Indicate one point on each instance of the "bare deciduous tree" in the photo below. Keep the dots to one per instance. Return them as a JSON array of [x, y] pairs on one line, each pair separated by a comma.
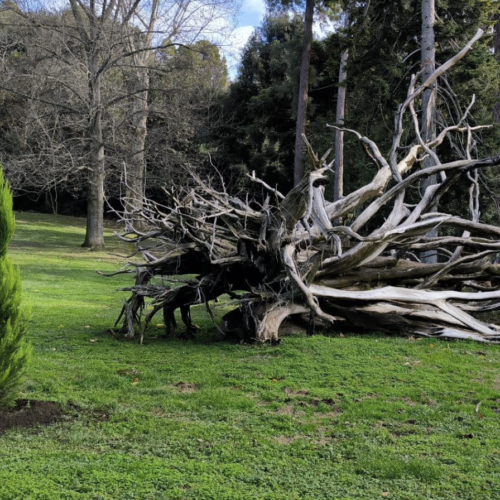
[[91, 61], [155, 25]]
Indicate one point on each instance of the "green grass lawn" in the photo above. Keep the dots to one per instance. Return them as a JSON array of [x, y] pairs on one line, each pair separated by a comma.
[[354, 417]]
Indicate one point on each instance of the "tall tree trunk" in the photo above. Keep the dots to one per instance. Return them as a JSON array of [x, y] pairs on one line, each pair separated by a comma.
[[496, 48], [94, 236], [143, 56], [429, 98], [339, 135], [90, 30], [136, 173], [298, 166]]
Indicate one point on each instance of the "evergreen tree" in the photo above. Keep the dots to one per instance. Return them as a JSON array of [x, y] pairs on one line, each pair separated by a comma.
[[263, 101], [323, 8], [14, 351], [385, 52], [383, 39]]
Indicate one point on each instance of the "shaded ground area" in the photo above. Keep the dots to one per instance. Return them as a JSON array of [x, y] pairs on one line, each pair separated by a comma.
[[30, 413]]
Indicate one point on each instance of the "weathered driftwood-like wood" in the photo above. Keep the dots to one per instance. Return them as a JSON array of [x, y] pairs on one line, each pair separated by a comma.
[[297, 254]]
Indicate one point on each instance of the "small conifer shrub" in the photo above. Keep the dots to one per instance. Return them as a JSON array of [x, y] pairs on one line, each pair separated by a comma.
[[14, 350]]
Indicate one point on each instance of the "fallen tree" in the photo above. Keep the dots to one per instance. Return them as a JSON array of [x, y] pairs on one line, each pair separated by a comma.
[[285, 256]]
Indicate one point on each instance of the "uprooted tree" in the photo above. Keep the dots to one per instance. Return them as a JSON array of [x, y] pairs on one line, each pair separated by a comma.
[[284, 256]]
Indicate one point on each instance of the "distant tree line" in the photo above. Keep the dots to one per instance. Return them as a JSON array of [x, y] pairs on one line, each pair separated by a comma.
[[82, 84], [92, 98], [384, 43]]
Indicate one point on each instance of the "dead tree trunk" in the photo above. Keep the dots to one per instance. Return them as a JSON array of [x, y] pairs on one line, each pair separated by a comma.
[[282, 256], [303, 95], [429, 97], [338, 190]]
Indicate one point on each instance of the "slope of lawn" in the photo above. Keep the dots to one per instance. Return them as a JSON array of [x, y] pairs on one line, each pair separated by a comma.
[[353, 417]]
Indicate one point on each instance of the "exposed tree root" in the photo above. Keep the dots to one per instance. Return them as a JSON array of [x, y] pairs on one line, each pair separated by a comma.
[[285, 255]]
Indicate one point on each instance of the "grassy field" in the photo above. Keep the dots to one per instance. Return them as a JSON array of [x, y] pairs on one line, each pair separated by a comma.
[[354, 417]]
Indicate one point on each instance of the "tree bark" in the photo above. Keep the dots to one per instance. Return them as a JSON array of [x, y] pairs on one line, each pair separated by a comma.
[[94, 236], [303, 95], [139, 90], [339, 134], [136, 165], [496, 48], [429, 98], [91, 35]]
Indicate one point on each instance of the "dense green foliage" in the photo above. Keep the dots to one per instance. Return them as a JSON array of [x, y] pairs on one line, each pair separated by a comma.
[[14, 351], [316, 418], [196, 117], [385, 52], [263, 102], [384, 43]]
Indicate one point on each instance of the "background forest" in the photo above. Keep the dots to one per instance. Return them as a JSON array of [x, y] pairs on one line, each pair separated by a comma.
[[144, 98]]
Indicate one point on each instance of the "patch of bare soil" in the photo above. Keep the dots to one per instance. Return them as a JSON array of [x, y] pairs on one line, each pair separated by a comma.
[[186, 387], [292, 392], [30, 413], [289, 410]]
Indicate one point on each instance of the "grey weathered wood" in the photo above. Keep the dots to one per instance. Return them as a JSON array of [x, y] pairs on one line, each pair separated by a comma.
[[285, 257]]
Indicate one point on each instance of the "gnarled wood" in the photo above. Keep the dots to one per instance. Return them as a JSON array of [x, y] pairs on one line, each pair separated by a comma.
[[278, 255]]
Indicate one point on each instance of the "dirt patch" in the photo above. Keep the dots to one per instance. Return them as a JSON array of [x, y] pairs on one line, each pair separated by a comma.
[[28, 413], [292, 392], [403, 430], [370, 395], [328, 402], [326, 416], [409, 402], [186, 387], [289, 410]]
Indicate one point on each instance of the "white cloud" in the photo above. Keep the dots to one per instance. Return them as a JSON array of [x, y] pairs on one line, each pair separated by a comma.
[[324, 28], [232, 51], [241, 36]]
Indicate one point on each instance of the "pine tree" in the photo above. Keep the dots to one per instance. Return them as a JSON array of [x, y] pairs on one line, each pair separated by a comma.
[[14, 350]]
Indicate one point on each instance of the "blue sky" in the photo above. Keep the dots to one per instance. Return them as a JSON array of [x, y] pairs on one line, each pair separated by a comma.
[[251, 14]]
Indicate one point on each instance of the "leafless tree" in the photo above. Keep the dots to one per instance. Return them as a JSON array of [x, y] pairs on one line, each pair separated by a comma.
[[157, 24], [104, 52]]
